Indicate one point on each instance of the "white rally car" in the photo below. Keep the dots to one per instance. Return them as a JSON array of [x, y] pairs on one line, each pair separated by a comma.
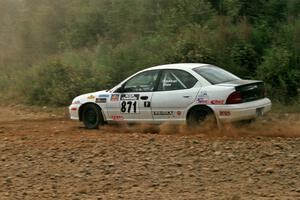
[[174, 93]]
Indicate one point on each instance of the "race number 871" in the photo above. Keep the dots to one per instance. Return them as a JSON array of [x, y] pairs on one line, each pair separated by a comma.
[[129, 106]]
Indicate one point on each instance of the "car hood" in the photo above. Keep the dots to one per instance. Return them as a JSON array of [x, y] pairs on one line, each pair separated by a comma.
[[91, 97]]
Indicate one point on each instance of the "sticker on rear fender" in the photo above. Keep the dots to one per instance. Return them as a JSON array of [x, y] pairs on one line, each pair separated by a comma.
[[216, 102]]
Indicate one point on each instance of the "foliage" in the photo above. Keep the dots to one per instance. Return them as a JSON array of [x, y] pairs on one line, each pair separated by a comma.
[[282, 78], [56, 83]]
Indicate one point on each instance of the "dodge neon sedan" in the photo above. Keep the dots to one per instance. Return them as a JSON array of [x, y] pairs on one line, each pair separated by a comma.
[[174, 93]]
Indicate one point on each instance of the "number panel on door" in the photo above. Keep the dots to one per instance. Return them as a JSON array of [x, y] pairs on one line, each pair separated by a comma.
[[129, 104]]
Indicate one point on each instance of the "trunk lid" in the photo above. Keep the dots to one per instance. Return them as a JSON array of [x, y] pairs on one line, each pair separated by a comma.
[[250, 90]]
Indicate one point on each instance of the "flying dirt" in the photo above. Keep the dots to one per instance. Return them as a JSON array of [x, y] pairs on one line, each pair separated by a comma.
[[44, 155]]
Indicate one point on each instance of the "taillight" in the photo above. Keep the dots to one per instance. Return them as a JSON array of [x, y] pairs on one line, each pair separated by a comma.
[[234, 98]]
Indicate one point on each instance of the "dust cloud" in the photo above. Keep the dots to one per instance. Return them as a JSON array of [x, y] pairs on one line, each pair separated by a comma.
[[275, 125]]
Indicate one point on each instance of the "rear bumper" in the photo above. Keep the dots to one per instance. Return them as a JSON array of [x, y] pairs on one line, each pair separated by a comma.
[[243, 111]]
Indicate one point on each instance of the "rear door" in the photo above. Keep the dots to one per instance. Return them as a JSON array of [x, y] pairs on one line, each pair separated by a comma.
[[175, 92]]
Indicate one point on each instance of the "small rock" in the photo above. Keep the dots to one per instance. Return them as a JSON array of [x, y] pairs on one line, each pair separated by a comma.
[[151, 140], [215, 169], [78, 175], [235, 197], [154, 184], [169, 176], [278, 145], [194, 141], [269, 170], [8, 179], [215, 145], [1, 131], [111, 165], [217, 153], [230, 155], [293, 156], [3, 158], [269, 154]]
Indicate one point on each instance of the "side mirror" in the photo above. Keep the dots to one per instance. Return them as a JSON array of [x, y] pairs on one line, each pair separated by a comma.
[[120, 89]]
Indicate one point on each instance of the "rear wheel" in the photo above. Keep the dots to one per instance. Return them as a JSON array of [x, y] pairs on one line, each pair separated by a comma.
[[201, 118], [92, 116]]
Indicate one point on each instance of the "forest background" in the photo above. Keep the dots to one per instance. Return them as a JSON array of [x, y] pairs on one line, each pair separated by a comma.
[[52, 51]]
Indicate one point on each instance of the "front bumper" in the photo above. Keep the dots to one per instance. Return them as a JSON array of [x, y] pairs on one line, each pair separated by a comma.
[[74, 111], [243, 111]]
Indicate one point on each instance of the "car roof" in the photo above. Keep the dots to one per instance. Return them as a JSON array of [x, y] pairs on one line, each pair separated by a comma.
[[178, 66]]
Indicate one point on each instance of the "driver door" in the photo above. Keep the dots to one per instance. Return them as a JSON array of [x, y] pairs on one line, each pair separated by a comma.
[[134, 98]]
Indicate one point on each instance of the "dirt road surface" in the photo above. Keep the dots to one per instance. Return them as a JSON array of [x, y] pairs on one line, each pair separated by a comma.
[[46, 156]]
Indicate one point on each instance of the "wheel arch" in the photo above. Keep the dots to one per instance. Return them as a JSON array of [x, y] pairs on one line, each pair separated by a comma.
[[200, 106], [88, 103], [204, 107]]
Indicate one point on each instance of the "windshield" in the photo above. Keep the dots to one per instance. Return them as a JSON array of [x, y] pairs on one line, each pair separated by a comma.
[[215, 75]]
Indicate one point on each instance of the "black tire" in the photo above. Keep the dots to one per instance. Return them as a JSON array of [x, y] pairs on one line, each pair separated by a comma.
[[201, 118], [92, 116]]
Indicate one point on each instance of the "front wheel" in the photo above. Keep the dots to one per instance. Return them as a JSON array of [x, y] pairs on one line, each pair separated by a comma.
[[92, 116]]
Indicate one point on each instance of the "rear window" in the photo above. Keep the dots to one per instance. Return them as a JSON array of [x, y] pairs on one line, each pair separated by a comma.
[[215, 75]]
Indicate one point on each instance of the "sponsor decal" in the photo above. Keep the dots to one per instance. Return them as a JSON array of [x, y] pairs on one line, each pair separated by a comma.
[[91, 97], [202, 100], [225, 113], [163, 113], [168, 83], [129, 97], [100, 100], [217, 101], [103, 95], [73, 108], [114, 97], [76, 102], [178, 113], [117, 117], [203, 94]]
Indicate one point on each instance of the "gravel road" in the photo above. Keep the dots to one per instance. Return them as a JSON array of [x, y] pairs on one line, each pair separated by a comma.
[[46, 156]]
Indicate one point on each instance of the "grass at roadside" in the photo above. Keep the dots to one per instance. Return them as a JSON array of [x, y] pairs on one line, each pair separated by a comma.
[[291, 108]]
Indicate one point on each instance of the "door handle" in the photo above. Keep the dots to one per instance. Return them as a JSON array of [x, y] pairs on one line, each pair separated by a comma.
[[144, 97], [186, 96]]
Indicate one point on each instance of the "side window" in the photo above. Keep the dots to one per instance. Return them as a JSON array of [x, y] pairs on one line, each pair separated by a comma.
[[176, 80], [143, 82]]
